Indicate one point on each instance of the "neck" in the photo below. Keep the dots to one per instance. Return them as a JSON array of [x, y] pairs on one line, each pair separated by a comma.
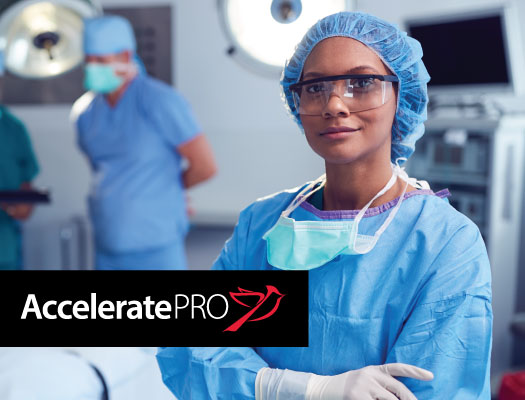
[[116, 95], [351, 186]]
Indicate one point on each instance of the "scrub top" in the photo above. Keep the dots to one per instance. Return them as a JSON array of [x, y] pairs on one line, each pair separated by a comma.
[[137, 199], [18, 165], [422, 296]]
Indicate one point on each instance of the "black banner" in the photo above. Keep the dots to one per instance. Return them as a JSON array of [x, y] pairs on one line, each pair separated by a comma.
[[154, 308]]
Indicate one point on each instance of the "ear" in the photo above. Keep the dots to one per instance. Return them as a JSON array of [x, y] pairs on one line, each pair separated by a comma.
[[126, 56]]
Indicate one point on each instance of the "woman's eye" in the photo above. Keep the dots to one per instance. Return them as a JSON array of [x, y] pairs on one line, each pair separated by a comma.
[[314, 88], [363, 83]]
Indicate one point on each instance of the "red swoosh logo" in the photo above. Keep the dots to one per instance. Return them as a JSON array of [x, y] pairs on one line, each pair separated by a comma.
[[262, 299]]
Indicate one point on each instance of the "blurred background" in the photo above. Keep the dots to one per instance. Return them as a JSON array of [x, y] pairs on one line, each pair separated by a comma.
[[225, 58]]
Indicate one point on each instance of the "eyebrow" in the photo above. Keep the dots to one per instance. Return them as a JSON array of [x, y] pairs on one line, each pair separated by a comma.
[[360, 68]]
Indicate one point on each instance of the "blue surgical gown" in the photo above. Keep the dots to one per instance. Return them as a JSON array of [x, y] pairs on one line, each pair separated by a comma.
[[137, 202], [422, 296]]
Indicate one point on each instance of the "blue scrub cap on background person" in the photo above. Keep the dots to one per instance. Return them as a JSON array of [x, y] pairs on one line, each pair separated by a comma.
[[108, 35], [401, 53]]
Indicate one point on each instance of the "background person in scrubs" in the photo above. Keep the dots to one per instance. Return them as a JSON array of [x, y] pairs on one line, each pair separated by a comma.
[[136, 131], [18, 167], [399, 281]]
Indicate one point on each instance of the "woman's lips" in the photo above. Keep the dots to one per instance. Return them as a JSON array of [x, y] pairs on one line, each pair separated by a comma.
[[337, 132]]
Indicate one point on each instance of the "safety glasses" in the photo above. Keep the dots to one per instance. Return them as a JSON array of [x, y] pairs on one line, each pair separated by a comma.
[[358, 92]]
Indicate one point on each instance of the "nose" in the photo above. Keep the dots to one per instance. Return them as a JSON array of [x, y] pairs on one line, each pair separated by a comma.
[[335, 107]]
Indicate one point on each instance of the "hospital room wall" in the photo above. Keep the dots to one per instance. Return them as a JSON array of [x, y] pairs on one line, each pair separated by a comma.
[[258, 148]]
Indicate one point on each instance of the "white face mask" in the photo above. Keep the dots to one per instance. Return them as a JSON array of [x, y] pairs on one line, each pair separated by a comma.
[[303, 245]]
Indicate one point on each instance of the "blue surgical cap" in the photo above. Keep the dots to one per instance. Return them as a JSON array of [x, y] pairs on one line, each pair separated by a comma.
[[108, 35], [402, 54]]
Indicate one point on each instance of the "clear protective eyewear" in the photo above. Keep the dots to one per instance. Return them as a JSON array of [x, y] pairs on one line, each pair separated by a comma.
[[358, 92]]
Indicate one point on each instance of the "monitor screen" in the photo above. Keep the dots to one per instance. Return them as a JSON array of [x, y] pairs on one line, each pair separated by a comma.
[[468, 51]]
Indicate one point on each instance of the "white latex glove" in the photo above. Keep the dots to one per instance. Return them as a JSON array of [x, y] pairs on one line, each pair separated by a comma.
[[375, 382]]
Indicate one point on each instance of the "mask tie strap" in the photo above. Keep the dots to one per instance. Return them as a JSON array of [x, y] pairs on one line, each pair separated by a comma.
[[389, 184], [397, 171], [304, 194], [419, 184]]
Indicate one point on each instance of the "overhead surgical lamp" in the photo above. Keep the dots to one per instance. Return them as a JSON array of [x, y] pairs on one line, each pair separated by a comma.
[[264, 33], [42, 39]]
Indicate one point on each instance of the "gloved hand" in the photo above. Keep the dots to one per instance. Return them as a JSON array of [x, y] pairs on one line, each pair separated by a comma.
[[375, 382]]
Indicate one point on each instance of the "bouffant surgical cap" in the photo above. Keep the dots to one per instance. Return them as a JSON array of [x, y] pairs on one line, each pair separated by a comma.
[[106, 35], [401, 53]]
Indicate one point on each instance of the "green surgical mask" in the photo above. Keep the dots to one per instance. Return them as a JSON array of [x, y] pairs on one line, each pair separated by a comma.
[[101, 78]]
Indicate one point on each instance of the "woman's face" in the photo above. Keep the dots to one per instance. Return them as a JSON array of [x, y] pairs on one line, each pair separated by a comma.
[[370, 130]]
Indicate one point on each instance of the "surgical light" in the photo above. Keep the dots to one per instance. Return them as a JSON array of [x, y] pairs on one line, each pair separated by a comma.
[[264, 33], [286, 11], [42, 39]]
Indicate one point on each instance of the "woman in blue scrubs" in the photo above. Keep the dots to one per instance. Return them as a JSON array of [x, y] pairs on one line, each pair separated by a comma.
[[399, 282]]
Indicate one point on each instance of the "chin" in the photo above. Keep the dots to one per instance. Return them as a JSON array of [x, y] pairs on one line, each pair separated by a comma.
[[338, 150], [334, 157]]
